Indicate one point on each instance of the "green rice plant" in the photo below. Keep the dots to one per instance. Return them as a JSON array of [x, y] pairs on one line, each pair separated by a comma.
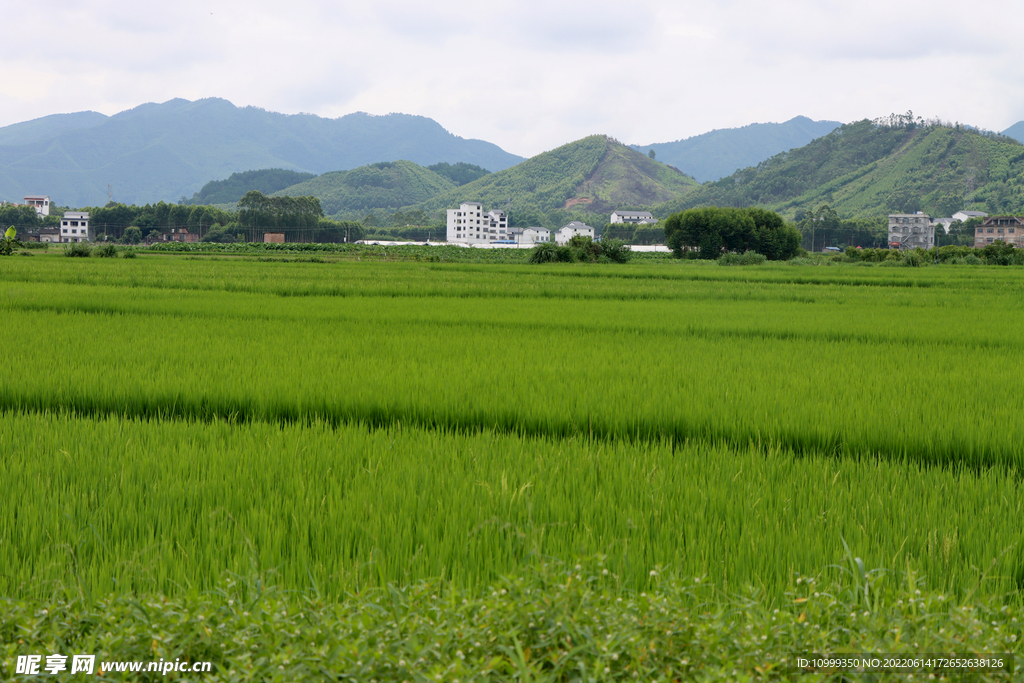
[[363, 422], [108, 504]]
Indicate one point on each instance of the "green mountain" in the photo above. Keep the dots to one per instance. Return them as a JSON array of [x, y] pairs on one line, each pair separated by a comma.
[[384, 185], [164, 151], [868, 168], [234, 187], [593, 176], [716, 154]]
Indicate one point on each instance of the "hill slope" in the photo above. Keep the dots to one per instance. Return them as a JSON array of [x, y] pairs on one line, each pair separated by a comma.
[[164, 151], [865, 169], [1016, 131], [384, 185], [718, 153], [234, 187], [595, 175]]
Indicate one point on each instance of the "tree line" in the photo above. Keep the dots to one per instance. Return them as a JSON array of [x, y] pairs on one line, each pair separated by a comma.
[[709, 231]]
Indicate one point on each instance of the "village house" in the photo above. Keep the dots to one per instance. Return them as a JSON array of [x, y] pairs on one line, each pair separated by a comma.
[[39, 202], [633, 217], [964, 216], [183, 235], [567, 232], [74, 226], [1009, 229], [529, 236], [911, 231]]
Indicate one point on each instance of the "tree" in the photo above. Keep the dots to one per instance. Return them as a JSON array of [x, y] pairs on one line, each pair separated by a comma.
[[709, 229], [823, 219], [651, 154], [714, 229], [132, 235]]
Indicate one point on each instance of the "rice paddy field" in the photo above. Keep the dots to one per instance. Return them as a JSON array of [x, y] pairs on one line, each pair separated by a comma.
[[348, 428]]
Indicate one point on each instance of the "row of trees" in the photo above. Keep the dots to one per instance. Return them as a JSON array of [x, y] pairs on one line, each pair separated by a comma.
[[709, 231], [25, 217]]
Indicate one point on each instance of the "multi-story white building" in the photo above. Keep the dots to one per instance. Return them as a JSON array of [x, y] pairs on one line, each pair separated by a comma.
[[910, 231], [470, 224], [74, 226], [39, 202], [567, 232]]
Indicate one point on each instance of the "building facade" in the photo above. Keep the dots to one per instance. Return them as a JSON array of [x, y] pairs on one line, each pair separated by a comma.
[[632, 217], [567, 232], [74, 226], [911, 231], [470, 224], [1009, 229], [39, 202], [528, 236]]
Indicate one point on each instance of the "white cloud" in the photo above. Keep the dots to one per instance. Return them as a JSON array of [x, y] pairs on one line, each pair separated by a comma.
[[527, 75]]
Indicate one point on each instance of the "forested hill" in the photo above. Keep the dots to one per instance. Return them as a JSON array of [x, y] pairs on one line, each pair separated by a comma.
[[165, 151], [716, 154], [384, 185], [234, 187], [874, 168], [592, 176]]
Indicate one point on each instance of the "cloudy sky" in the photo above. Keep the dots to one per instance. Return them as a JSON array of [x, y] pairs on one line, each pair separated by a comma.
[[528, 75]]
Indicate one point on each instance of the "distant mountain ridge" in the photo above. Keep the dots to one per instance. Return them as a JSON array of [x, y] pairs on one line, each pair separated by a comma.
[[864, 169], [163, 151], [1016, 131], [719, 153]]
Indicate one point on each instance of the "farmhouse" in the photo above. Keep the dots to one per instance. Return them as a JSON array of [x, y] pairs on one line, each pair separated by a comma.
[[183, 235], [963, 216], [911, 231], [40, 202], [74, 226], [632, 217], [470, 224], [567, 232], [529, 235], [1009, 229]]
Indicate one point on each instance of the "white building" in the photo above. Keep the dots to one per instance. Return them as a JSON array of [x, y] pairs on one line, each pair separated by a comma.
[[470, 224], [74, 226], [911, 230], [39, 202], [633, 217], [528, 236], [965, 216], [567, 232]]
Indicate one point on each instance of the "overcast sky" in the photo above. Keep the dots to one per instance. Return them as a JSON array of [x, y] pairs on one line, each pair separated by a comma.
[[528, 75]]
